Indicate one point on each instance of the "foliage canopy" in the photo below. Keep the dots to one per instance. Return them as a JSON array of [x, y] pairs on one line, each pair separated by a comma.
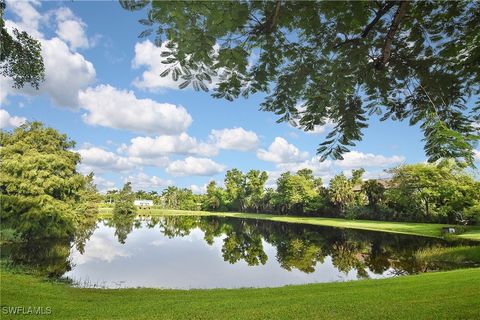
[[20, 56], [333, 62], [42, 194]]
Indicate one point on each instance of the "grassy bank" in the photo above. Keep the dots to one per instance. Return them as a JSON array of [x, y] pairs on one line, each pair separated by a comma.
[[456, 255], [420, 229], [442, 295]]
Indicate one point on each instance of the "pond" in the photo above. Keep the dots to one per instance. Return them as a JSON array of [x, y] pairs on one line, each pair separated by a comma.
[[210, 252]]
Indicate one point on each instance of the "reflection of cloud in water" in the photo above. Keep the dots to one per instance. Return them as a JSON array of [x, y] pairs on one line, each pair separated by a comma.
[[102, 246], [149, 258]]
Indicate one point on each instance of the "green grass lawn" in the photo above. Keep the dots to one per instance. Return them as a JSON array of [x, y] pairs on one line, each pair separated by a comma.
[[442, 295], [421, 229]]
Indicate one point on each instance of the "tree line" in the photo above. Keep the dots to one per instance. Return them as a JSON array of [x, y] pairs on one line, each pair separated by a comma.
[[444, 192]]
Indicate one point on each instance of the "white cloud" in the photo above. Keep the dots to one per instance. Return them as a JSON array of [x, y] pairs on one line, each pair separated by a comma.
[[121, 109], [103, 185], [198, 189], [318, 129], [146, 147], [142, 181], [99, 160], [356, 159], [476, 155], [375, 175], [5, 89], [30, 18], [183, 144], [235, 139], [148, 55], [160, 161], [280, 151], [8, 121], [194, 167], [71, 29], [318, 167], [100, 247], [66, 72]]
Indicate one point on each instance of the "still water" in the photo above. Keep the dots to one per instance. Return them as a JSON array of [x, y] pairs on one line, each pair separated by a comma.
[[212, 252]]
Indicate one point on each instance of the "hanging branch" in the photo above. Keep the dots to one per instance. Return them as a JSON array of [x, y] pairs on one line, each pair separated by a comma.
[[387, 47]]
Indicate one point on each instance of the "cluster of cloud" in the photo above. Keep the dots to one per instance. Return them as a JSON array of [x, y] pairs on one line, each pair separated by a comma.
[[143, 181], [237, 139], [192, 166], [9, 121], [287, 157], [196, 189], [69, 75], [66, 71], [182, 144], [99, 160], [103, 185], [280, 151], [148, 56], [71, 29], [156, 151], [121, 109]]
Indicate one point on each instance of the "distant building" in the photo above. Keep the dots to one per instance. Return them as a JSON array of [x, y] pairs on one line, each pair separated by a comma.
[[143, 203]]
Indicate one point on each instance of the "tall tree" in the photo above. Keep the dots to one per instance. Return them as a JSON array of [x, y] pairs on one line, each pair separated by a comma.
[[41, 190], [235, 189], [20, 56], [124, 205], [254, 188], [298, 193], [214, 199], [341, 192], [375, 192], [338, 62], [440, 192]]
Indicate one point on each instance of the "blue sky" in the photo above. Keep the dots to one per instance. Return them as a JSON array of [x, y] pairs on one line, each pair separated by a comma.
[[102, 88]]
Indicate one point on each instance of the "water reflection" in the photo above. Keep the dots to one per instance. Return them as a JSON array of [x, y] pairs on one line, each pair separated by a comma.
[[207, 252]]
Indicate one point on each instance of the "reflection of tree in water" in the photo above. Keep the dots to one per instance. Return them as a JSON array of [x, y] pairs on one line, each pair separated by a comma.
[[299, 254], [123, 224], [302, 246], [177, 226], [84, 232], [47, 258], [212, 228], [243, 242], [298, 246], [347, 256]]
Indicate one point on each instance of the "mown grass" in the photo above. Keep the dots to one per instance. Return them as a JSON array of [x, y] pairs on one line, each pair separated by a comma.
[[442, 295], [420, 229], [455, 255]]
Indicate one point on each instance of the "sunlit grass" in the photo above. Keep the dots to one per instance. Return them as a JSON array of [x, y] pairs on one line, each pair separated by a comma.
[[442, 295], [455, 255]]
